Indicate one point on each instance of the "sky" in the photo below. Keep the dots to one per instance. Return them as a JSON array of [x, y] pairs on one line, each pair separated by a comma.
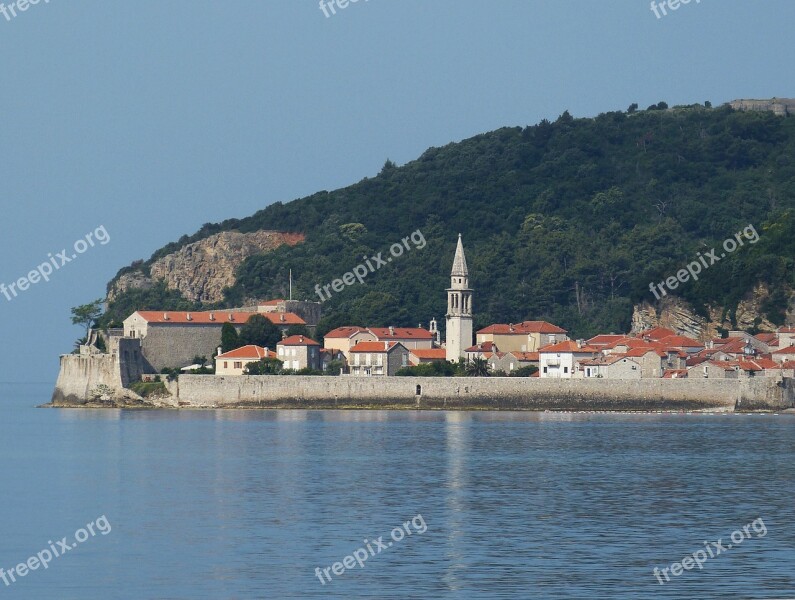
[[137, 122]]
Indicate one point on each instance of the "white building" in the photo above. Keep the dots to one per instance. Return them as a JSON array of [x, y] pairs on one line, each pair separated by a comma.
[[234, 362], [459, 307], [560, 360]]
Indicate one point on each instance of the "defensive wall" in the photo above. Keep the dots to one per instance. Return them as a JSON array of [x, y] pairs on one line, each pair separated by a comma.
[[503, 393]]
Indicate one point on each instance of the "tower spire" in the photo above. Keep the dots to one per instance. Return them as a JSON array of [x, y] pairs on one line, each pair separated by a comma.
[[459, 261]]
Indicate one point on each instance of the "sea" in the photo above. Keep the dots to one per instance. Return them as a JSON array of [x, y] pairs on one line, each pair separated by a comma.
[[145, 504]]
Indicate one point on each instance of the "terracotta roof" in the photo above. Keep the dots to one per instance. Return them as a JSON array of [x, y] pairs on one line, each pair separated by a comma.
[[757, 364], [297, 340], [603, 339], [675, 374], [680, 341], [786, 350], [785, 330], [733, 345], [631, 344], [643, 351], [656, 333], [568, 346], [214, 317], [373, 346], [247, 352], [430, 353], [344, 332], [406, 333], [482, 347], [766, 337], [526, 356], [787, 364], [522, 328]]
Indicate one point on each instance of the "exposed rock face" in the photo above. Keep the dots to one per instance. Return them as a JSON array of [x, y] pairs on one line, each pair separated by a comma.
[[678, 315], [200, 271], [779, 106]]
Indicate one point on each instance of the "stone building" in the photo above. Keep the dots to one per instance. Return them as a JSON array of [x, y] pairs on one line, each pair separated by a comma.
[[459, 307], [173, 338], [235, 361], [378, 358], [528, 336], [299, 352]]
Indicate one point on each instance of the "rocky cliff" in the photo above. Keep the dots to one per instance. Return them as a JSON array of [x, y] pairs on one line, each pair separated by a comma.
[[200, 271], [678, 315]]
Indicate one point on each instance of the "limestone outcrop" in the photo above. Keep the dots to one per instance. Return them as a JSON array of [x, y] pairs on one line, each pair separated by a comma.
[[200, 271]]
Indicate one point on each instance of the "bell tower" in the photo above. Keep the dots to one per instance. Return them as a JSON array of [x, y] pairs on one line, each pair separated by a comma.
[[459, 307]]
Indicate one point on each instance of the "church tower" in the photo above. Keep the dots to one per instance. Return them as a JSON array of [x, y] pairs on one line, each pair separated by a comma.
[[459, 307]]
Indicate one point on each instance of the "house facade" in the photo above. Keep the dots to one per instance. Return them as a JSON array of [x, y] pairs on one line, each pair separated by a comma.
[[234, 362], [559, 361], [376, 359], [528, 336], [299, 352]]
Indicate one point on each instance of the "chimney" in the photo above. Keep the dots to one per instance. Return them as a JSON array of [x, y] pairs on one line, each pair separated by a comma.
[[188, 317], [281, 317], [301, 339], [220, 351], [212, 316], [165, 316], [386, 345], [391, 330], [231, 317], [510, 327], [580, 343]]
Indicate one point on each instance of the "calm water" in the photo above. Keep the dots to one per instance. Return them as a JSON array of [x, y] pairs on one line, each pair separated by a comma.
[[244, 504]]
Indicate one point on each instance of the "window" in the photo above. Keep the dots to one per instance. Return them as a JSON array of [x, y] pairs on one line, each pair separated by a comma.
[[238, 365], [226, 365], [545, 369], [565, 369]]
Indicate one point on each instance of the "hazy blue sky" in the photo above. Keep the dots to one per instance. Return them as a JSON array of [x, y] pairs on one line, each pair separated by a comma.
[[151, 118]]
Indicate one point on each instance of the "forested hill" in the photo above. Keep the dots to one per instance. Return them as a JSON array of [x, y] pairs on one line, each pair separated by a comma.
[[567, 221]]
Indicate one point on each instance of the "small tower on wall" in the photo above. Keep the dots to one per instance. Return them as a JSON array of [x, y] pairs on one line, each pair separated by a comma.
[[459, 307]]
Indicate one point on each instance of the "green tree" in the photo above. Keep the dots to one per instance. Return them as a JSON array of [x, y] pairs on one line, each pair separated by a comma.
[[266, 366], [298, 330], [478, 367], [87, 314], [230, 340], [260, 331]]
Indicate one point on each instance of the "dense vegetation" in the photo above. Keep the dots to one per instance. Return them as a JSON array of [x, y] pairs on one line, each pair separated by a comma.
[[567, 221]]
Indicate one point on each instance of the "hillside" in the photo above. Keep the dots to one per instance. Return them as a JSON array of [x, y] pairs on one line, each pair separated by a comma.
[[567, 221]]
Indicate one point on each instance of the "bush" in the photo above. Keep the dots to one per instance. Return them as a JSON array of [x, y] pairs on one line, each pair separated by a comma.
[[147, 389]]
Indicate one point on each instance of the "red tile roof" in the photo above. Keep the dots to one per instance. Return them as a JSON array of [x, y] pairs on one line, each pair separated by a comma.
[[680, 341], [675, 374], [482, 347], [568, 346], [604, 339], [766, 337], [297, 340], [786, 350], [214, 317], [522, 328], [430, 353], [604, 360], [373, 346], [398, 333], [643, 351], [656, 333], [785, 330], [344, 332], [247, 352], [526, 356]]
